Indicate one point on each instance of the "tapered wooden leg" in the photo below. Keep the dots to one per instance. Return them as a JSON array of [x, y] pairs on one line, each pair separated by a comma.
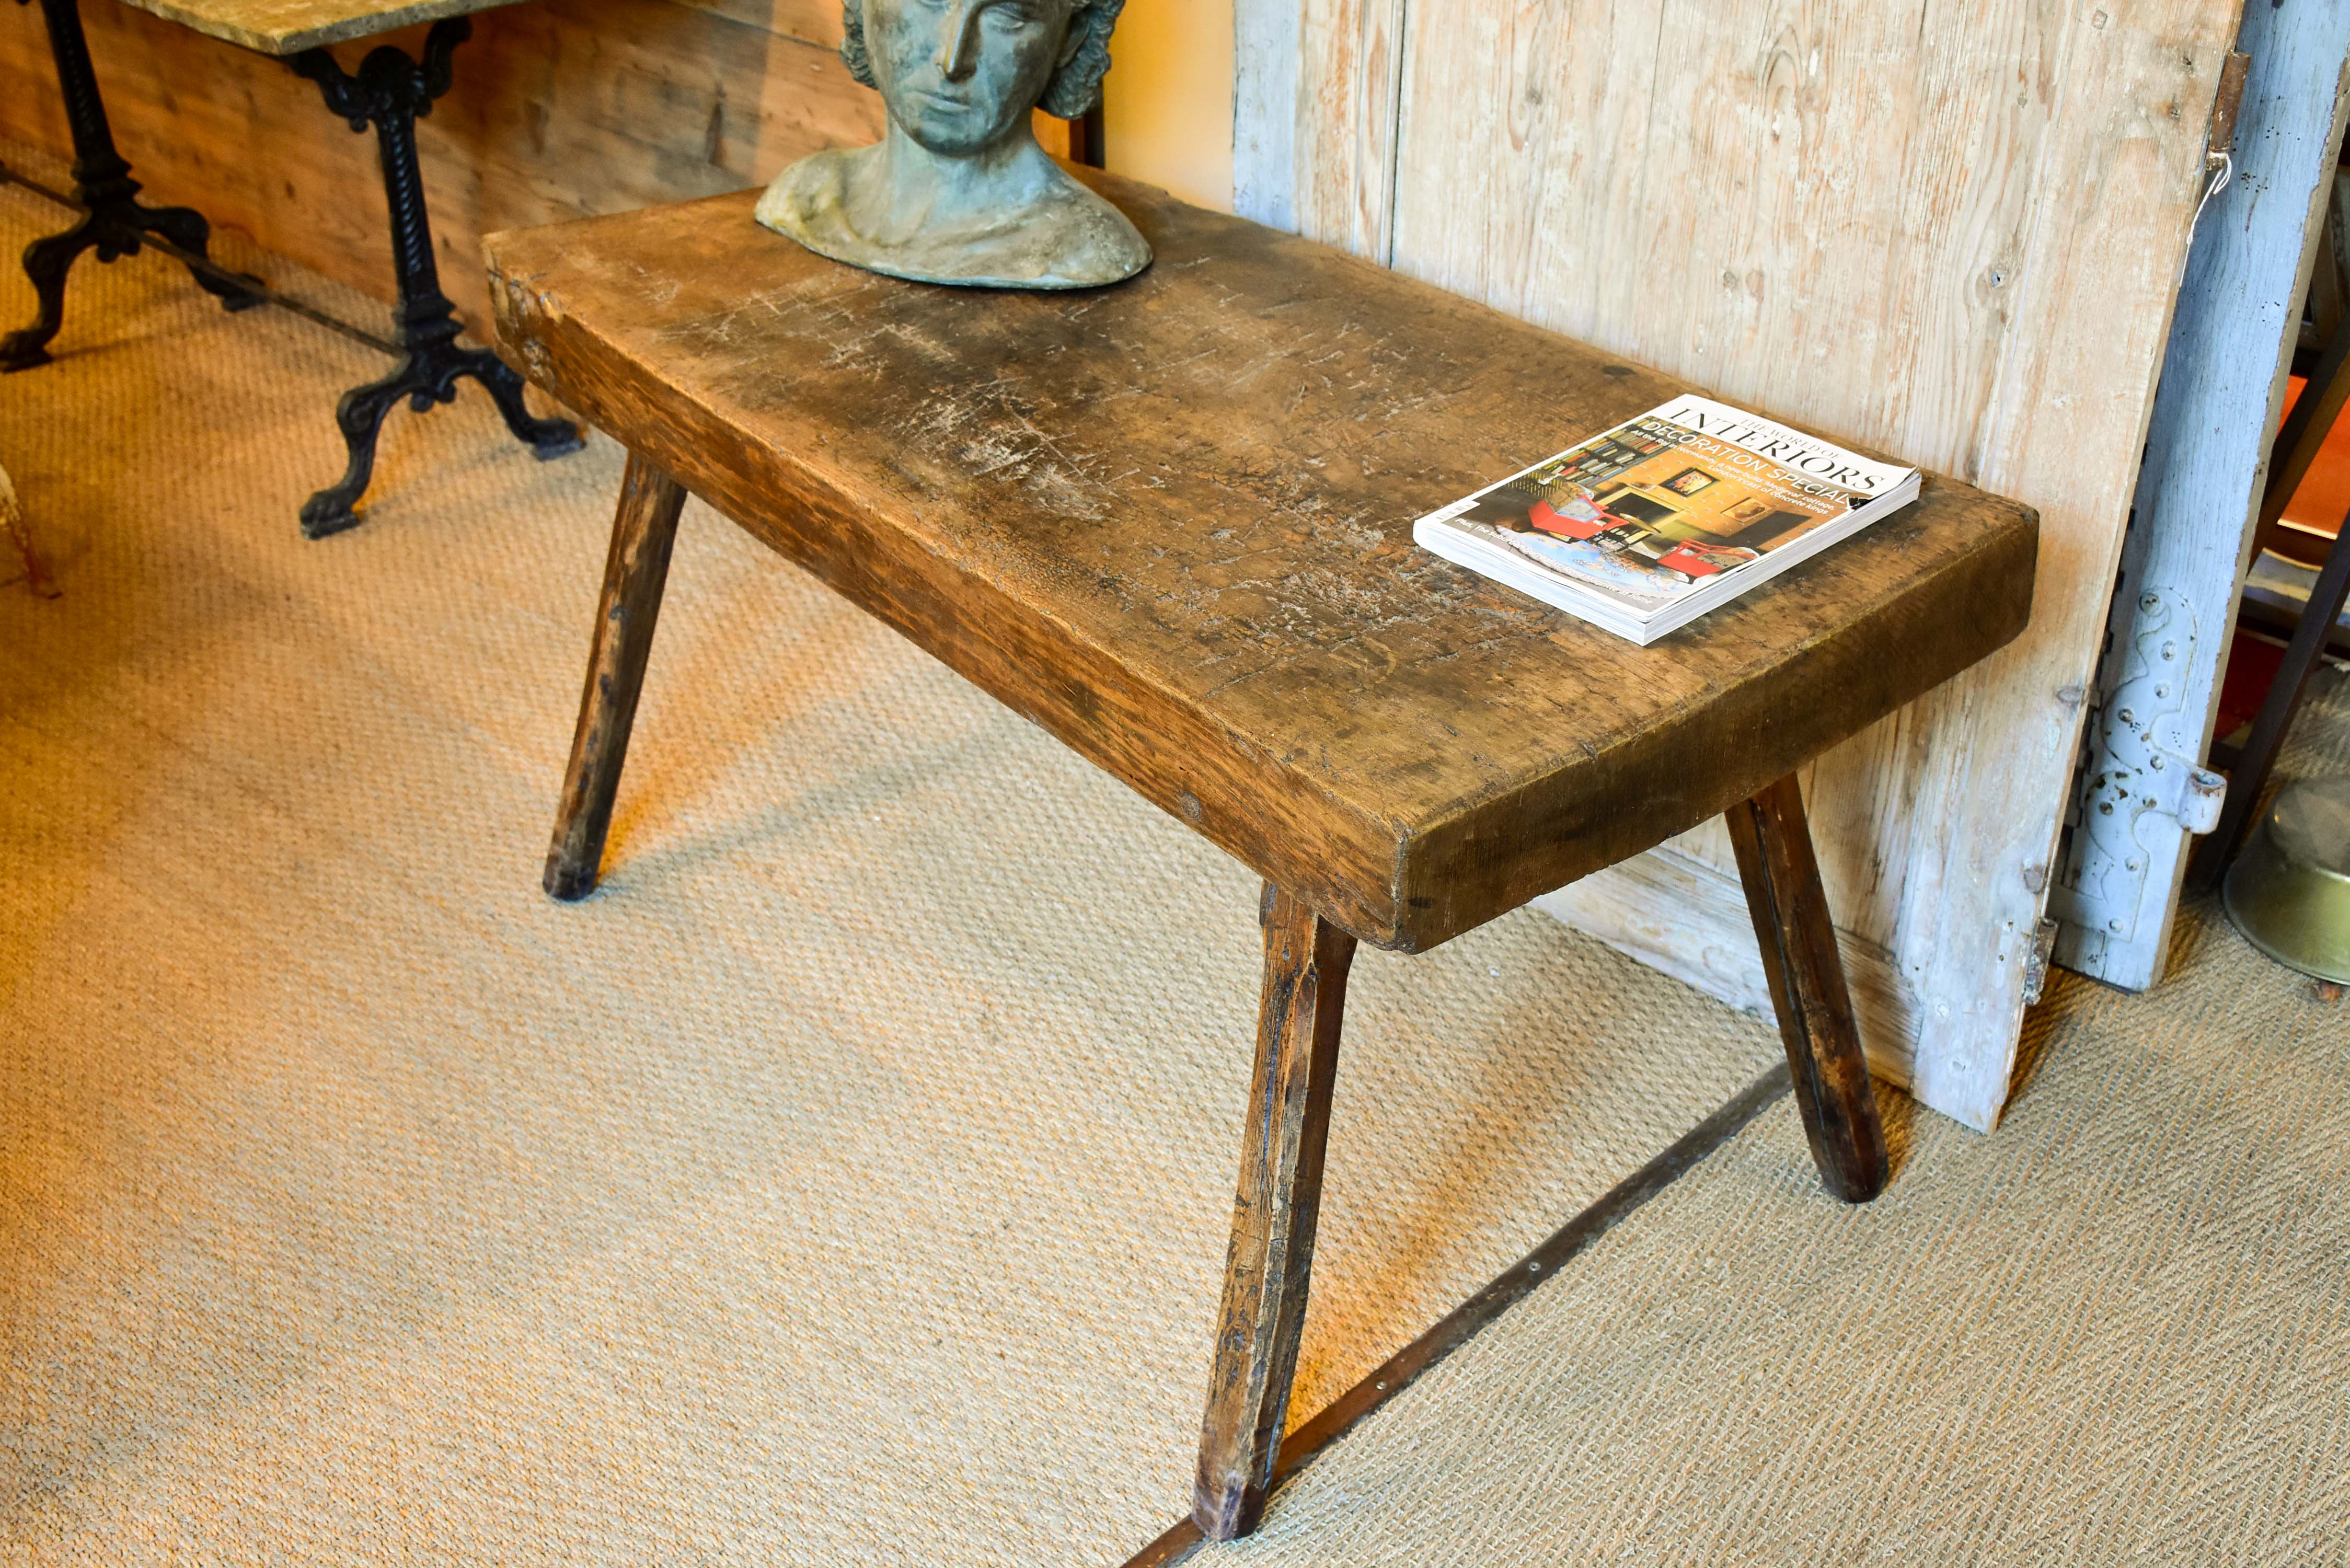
[[1799, 954], [1274, 1217], [634, 574]]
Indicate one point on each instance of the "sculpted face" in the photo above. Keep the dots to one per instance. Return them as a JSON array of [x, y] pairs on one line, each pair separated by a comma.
[[958, 190], [960, 76]]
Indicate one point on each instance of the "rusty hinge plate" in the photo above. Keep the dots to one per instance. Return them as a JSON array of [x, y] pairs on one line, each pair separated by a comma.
[[2230, 102]]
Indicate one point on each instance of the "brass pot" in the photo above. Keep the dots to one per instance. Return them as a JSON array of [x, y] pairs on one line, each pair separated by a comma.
[[2289, 892]]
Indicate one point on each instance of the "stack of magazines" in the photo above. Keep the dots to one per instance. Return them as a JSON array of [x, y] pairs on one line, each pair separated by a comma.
[[1644, 528]]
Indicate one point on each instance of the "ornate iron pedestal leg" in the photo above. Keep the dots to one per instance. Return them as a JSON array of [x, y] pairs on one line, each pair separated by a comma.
[[391, 91], [114, 224]]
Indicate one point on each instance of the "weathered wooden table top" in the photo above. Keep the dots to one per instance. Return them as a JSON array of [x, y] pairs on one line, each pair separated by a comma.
[[1171, 522], [290, 26]]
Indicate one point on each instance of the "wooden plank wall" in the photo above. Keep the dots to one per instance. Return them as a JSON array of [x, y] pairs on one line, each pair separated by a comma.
[[1952, 234], [561, 108]]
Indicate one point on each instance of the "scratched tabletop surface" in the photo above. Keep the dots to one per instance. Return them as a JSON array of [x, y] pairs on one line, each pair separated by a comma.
[[289, 26], [1170, 521]]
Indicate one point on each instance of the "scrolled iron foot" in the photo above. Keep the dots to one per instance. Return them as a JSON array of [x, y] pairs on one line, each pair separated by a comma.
[[360, 414], [188, 230], [547, 439], [114, 234], [114, 230], [46, 263], [424, 379]]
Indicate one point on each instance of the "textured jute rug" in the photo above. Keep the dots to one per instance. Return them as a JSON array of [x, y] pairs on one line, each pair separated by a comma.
[[849, 1181], [2116, 1331]]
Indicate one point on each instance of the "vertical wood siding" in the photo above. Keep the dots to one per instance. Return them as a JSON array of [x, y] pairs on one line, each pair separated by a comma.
[[1953, 233]]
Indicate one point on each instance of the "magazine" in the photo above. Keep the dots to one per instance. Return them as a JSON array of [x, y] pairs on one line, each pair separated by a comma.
[[1643, 528]]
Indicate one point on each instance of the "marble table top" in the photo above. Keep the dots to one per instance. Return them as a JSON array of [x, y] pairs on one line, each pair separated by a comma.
[[290, 26]]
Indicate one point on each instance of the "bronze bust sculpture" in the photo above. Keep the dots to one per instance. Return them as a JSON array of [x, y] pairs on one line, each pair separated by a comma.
[[957, 190]]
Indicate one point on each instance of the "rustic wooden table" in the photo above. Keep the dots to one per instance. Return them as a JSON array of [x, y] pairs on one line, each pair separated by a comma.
[[390, 92], [1171, 523]]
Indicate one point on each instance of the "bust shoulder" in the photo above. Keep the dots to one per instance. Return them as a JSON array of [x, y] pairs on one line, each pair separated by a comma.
[[809, 194], [1058, 234], [1074, 239]]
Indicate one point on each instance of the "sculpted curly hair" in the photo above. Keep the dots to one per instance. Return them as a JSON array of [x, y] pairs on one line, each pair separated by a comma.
[[1074, 89]]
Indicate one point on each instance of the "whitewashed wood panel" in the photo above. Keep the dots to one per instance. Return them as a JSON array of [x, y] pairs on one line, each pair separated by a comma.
[[1676, 912], [1316, 94], [1954, 234]]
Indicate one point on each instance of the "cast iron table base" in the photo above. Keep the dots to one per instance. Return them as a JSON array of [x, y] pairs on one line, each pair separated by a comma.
[[113, 223], [391, 91]]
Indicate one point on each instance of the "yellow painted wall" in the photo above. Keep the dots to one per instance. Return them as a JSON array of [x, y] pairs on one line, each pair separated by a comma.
[[1169, 98]]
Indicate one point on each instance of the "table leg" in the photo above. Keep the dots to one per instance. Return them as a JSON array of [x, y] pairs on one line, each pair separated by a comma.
[[1799, 954], [1274, 1217], [113, 222], [637, 570], [392, 91]]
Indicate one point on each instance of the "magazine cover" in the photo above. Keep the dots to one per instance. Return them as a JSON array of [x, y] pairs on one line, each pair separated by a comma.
[[1673, 503]]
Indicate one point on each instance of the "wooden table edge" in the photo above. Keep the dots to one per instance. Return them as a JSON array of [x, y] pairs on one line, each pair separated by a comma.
[[1412, 909], [283, 42]]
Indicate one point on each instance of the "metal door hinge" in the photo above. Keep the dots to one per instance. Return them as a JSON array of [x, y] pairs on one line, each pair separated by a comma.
[[2191, 794]]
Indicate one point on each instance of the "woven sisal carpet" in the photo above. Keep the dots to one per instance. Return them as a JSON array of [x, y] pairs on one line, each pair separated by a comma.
[[849, 1181]]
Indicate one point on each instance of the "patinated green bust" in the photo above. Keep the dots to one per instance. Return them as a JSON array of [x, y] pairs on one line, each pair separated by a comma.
[[957, 190]]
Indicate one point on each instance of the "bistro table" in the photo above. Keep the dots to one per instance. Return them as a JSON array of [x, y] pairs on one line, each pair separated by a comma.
[[1170, 522], [114, 223], [390, 91]]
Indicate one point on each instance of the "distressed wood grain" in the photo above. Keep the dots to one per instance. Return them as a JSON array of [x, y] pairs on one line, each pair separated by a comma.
[[1170, 522], [1952, 235], [289, 26], [1315, 90], [644, 531], [2207, 464]]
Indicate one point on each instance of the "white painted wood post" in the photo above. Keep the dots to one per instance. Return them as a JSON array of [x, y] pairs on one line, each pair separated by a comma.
[[2183, 563]]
